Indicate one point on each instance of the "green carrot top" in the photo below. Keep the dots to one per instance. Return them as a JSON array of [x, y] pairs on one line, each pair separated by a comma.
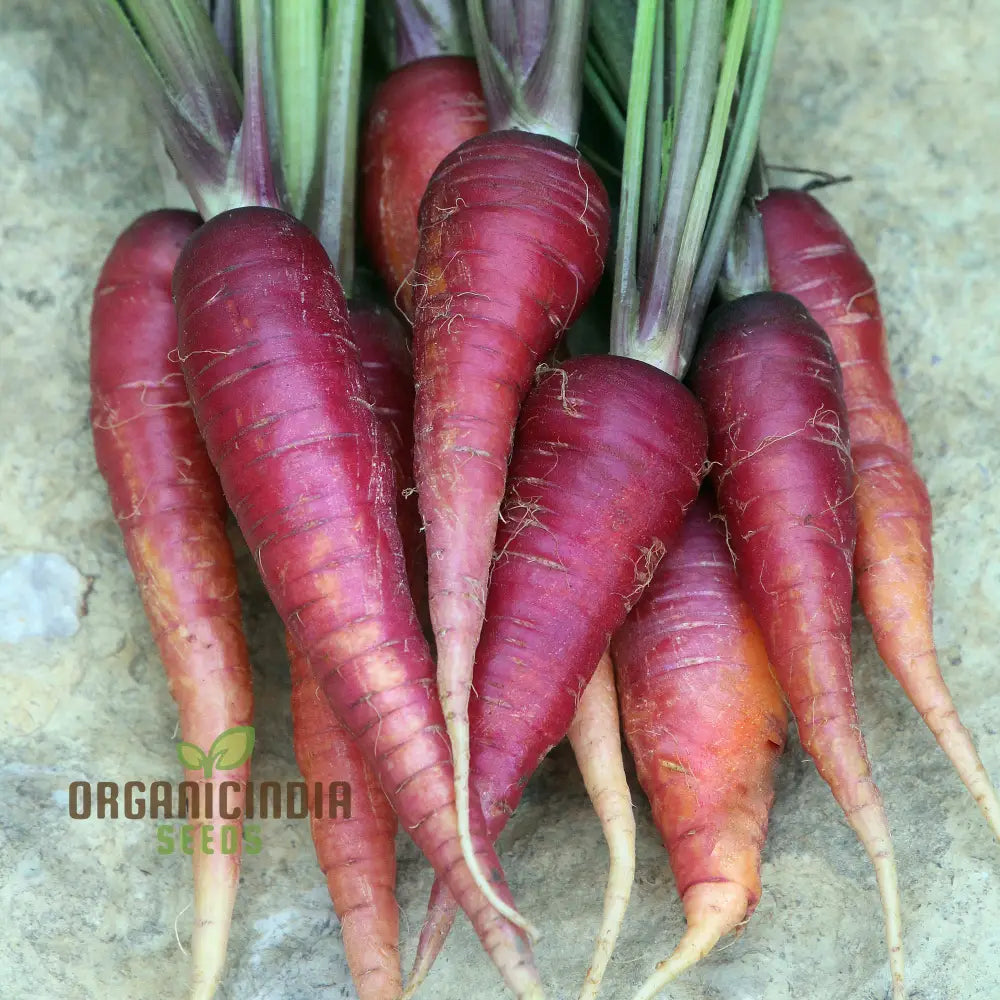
[[686, 160], [531, 58]]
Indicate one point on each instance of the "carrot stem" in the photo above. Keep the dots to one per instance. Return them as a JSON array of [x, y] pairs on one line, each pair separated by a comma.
[[543, 94], [188, 85], [741, 153], [298, 35], [626, 293], [427, 28], [333, 210]]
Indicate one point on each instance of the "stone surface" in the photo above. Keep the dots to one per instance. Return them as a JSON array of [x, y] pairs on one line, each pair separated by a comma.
[[900, 95]]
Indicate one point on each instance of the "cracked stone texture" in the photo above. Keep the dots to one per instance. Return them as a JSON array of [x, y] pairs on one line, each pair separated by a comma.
[[900, 95]]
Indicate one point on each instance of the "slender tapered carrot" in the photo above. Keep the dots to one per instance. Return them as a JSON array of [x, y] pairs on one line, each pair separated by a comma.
[[705, 721], [280, 397], [811, 257], [356, 853], [772, 392], [169, 506], [514, 229], [595, 736], [478, 336]]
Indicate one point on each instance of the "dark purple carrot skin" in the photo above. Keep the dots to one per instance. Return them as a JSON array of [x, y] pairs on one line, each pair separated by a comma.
[[388, 368], [279, 394], [772, 392], [610, 453], [811, 257], [773, 398], [513, 234], [169, 506]]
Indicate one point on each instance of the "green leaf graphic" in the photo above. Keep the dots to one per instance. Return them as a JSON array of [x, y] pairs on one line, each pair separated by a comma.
[[190, 756], [232, 748]]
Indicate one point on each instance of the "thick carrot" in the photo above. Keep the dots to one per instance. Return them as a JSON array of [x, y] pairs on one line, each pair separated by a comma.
[[705, 721], [513, 233], [812, 258], [417, 116], [169, 505], [609, 455], [772, 392], [279, 395], [357, 854], [595, 736]]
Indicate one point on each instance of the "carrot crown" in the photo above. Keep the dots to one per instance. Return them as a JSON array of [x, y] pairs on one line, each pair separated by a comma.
[[426, 28], [217, 139], [530, 58], [686, 160]]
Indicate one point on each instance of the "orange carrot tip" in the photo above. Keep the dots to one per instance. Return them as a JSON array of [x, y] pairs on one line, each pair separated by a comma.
[[712, 910], [811, 257]]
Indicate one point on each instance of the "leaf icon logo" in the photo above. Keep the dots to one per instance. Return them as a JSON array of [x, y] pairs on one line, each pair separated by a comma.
[[230, 749]]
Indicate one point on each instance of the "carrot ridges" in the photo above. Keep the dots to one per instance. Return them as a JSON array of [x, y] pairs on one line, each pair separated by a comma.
[[357, 854], [810, 256], [266, 343], [706, 723], [500, 201], [772, 392], [169, 506]]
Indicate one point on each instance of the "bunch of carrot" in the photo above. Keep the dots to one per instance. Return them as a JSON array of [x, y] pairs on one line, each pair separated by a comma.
[[476, 548]]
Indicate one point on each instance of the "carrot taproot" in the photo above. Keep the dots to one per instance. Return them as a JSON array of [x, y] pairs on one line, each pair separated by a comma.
[[705, 721], [772, 392], [513, 233], [279, 395], [595, 736], [169, 506], [356, 853], [609, 454], [811, 257], [417, 116]]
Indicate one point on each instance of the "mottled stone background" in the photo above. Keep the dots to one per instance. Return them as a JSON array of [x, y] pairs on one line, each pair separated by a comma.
[[901, 95]]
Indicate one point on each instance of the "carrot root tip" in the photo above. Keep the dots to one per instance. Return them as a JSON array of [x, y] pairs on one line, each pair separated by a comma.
[[458, 732], [712, 909]]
